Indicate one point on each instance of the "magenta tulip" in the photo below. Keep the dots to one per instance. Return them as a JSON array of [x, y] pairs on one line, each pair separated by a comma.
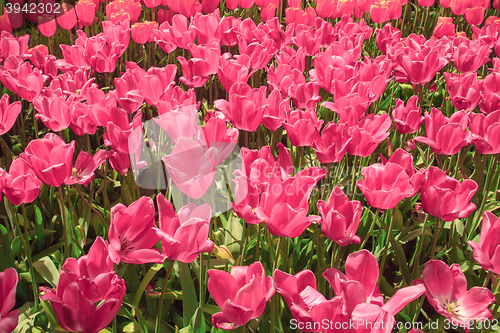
[[21, 183], [8, 285], [487, 251]]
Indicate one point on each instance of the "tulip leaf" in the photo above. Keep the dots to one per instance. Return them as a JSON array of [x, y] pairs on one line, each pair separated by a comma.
[[48, 270], [189, 298], [149, 275], [7, 250], [198, 321], [39, 229], [400, 256]]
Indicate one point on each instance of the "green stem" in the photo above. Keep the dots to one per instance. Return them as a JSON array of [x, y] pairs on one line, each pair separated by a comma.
[[416, 258], [370, 231], [386, 247], [160, 306], [436, 236], [64, 224]]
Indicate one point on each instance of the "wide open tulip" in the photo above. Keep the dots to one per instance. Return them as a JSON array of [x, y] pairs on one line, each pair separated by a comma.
[[245, 108], [445, 197], [407, 117], [85, 305], [331, 146], [8, 285], [464, 90], [485, 131], [194, 72], [242, 295], [85, 165], [184, 235], [132, 233], [446, 291], [487, 252], [21, 183], [340, 218], [285, 204], [446, 135], [50, 158], [55, 110], [385, 185], [309, 307], [191, 167], [421, 66], [8, 113]]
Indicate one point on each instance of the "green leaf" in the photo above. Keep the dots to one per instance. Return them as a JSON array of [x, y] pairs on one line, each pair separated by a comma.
[[189, 298], [46, 268], [198, 321], [149, 275], [39, 229]]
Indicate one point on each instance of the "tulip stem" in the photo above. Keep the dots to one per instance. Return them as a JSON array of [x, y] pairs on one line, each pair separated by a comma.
[[65, 227], [416, 258], [164, 285], [276, 257], [370, 231], [386, 247], [436, 236], [91, 207]]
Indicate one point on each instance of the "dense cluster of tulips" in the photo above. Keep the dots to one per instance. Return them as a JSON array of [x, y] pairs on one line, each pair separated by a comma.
[[258, 166]]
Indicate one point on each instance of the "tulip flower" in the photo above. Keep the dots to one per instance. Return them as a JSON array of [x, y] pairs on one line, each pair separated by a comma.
[[126, 93], [220, 137], [446, 290], [21, 183], [67, 20], [303, 127], [484, 131], [20, 77], [368, 134], [469, 56], [8, 285], [143, 32], [85, 165], [88, 294], [85, 10], [490, 93], [119, 130], [8, 113], [194, 72], [242, 295], [245, 108], [444, 27], [276, 112], [407, 117], [54, 111], [132, 233], [155, 84], [50, 158], [351, 108], [233, 71], [487, 251], [464, 90], [446, 135], [331, 146], [340, 218], [47, 24], [209, 53], [385, 185], [191, 167], [308, 306], [123, 10], [420, 66], [445, 197], [179, 123], [184, 235], [285, 204]]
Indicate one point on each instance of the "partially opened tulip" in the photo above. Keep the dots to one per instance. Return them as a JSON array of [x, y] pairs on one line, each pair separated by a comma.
[[8, 113], [21, 183], [302, 127], [445, 197], [194, 72], [143, 32], [446, 291], [184, 235], [132, 233], [487, 251], [485, 132], [50, 158], [242, 295], [54, 111], [371, 130], [8, 285], [340, 218], [85, 165], [331, 146], [67, 20], [464, 90], [446, 135], [22, 78], [407, 117]]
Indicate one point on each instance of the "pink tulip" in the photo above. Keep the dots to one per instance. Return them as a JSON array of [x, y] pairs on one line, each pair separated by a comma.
[[407, 118], [207, 27], [179, 123], [85, 165], [8, 113], [384, 10], [47, 24], [8, 285], [308, 306], [209, 53], [132, 233], [490, 93], [283, 78], [126, 93], [118, 130], [21, 183], [12, 46], [385, 185], [464, 90], [305, 95], [20, 77], [194, 72], [246, 106], [209, 6], [54, 111], [303, 127], [143, 32], [420, 65], [89, 293], [469, 56], [446, 135], [388, 35], [123, 10], [368, 134], [444, 27], [331, 146], [50, 158], [233, 71], [183, 235], [242, 295], [154, 85], [85, 10], [191, 167], [446, 291], [285, 204], [218, 136], [340, 218], [288, 56], [484, 131], [179, 32], [487, 251], [276, 112], [67, 18], [445, 197], [351, 108]]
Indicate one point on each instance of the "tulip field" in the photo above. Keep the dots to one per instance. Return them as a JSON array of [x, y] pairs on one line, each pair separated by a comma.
[[285, 166]]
